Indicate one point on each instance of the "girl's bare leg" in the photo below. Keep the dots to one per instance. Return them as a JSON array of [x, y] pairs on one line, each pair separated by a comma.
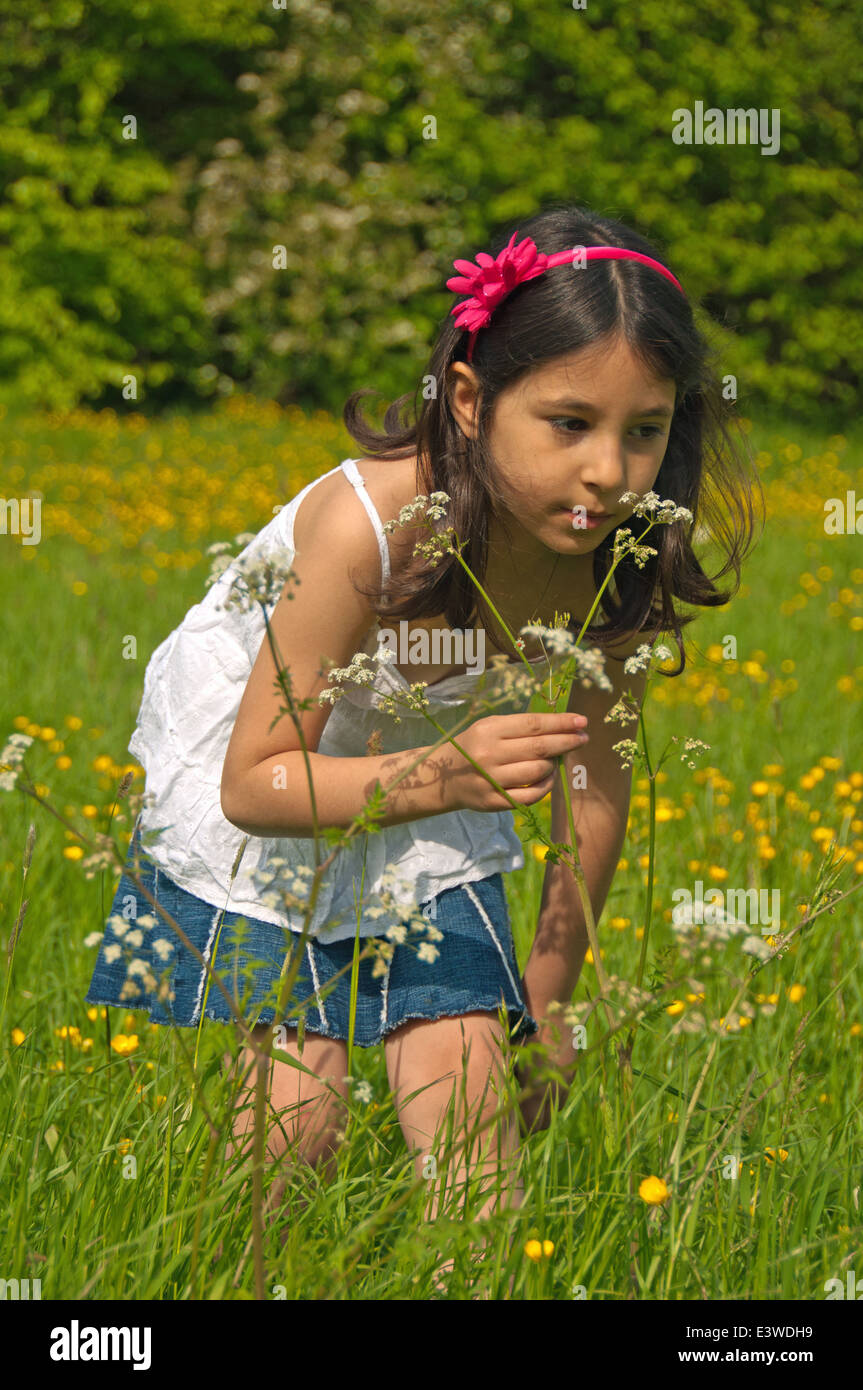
[[304, 1116], [460, 1062]]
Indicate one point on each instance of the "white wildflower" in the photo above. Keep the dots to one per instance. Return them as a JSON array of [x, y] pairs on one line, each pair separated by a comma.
[[757, 946], [11, 759], [217, 569], [94, 938], [621, 713], [557, 639], [20, 740], [650, 506], [693, 745], [163, 948], [433, 507], [260, 581], [639, 661], [590, 668], [113, 952], [624, 544], [691, 1022], [626, 749]]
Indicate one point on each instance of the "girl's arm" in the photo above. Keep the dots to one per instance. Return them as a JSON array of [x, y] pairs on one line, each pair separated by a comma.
[[264, 787]]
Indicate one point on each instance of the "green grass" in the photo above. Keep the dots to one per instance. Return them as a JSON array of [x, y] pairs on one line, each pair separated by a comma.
[[71, 1215]]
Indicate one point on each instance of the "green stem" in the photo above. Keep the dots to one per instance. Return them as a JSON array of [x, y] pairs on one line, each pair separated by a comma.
[[651, 851]]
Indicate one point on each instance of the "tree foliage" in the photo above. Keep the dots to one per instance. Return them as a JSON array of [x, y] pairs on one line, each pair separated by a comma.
[[376, 143]]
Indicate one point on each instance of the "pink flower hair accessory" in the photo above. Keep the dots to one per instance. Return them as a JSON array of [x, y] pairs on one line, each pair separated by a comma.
[[492, 278]]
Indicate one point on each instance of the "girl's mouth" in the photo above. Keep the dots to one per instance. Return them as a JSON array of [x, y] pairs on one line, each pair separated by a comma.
[[588, 521]]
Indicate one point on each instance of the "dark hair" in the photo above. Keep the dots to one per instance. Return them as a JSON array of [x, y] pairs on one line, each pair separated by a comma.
[[559, 312]]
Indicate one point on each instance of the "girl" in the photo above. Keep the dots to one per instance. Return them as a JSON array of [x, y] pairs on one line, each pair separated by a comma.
[[560, 385]]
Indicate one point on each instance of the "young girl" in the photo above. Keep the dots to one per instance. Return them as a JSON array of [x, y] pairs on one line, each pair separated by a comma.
[[560, 385]]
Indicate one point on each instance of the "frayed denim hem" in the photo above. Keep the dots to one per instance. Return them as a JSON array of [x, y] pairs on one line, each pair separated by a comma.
[[521, 1024]]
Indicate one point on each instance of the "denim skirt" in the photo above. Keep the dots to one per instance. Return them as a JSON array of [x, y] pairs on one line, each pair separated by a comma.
[[142, 964]]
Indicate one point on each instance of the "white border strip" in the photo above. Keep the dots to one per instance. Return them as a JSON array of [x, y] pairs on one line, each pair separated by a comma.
[[206, 954], [487, 921], [316, 984], [385, 991]]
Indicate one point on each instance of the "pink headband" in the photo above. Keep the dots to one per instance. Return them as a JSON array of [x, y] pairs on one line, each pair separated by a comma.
[[494, 277]]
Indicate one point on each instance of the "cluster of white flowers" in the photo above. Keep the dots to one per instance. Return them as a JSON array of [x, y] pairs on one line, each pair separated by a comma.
[[559, 641], [433, 508], [414, 699], [11, 759], [284, 884], [650, 506], [625, 544], [429, 509], [103, 857], [692, 745], [288, 886], [223, 553], [709, 924], [261, 581], [553, 639], [508, 680], [590, 668], [363, 671], [626, 751], [436, 547], [641, 659], [621, 713], [624, 1000], [396, 898], [129, 933], [360, 1090]]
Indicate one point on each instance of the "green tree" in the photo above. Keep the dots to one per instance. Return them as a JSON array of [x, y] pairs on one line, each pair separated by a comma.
[[377, 143]]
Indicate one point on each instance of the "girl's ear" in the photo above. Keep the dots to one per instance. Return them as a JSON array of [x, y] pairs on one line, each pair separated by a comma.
[[462, 388]]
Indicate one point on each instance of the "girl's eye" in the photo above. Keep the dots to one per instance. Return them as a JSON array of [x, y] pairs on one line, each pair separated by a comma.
[[647, 431], [566, 420]]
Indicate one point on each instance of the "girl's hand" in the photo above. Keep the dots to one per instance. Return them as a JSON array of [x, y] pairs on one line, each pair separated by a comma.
[[517, 750]]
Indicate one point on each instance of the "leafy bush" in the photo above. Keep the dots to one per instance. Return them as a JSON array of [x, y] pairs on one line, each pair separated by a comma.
[[376, 144]]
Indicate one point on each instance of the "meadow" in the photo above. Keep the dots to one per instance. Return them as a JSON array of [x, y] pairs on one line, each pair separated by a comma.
[[731, 1168]]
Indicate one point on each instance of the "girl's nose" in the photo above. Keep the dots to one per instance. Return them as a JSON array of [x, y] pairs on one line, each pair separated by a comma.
[[605, 469]]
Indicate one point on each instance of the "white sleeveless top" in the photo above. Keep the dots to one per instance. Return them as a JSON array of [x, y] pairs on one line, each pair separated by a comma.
[[193, 685]]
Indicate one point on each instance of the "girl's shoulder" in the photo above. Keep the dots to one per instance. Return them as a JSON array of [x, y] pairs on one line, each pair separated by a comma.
[[329, 508]]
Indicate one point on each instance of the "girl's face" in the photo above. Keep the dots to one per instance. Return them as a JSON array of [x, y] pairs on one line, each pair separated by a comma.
[[569, 438]]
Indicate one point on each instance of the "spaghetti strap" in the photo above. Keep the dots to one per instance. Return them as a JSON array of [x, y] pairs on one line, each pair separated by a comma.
[[352, 473]]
